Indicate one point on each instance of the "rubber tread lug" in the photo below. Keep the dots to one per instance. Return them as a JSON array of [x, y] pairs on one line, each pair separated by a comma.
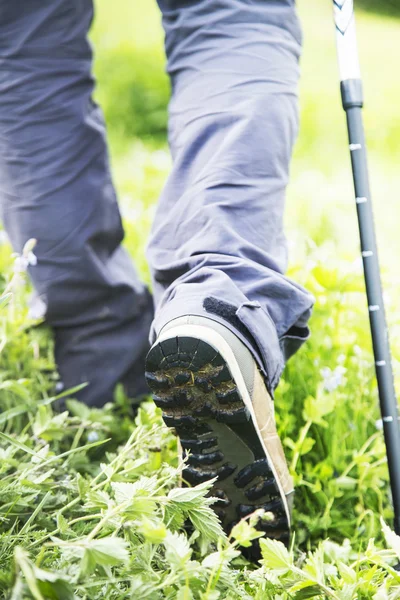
[[199, 444], [275, 506], [264, 488], [183, 377], [205, 459], [258, 468], [182, 421], [154, 359], [229, 397], [188, 345], [240, 415], [169, 346], [222, 376]]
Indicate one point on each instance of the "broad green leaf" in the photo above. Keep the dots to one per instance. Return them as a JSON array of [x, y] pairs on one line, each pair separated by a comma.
[[275, 555], [62, 523], [347, 573], [191, 494], [207, 523], [305, 589], [53, 585], [177, 548], [78, 409], [128, 491], [104, 552]]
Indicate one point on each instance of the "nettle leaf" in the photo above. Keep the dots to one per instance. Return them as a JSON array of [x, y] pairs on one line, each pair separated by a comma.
[[192, 494], [305, 589], [137, 497], [62, 523], [42, 584], [337, 552], [104, 552], [275, 555], [218, 559], [53, 586], [98, 499], [348, 574], [128, 491], [78, 409], [83, 485], [47, 426], [207, 523], [177, 548]]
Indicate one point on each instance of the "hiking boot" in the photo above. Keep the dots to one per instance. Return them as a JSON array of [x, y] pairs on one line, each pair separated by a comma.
[[212, 393]]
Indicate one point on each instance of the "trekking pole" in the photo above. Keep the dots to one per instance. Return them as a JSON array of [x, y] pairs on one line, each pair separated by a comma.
[[352, 100]]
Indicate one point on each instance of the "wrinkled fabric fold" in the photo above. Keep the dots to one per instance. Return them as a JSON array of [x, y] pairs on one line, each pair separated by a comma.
[[55, 186], [218, 230]]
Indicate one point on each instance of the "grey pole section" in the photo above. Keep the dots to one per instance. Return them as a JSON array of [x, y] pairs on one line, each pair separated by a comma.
[[352, 99]]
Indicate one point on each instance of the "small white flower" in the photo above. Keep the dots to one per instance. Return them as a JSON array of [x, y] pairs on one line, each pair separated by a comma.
[[37, 308], [332, 379], [379, 424], [93, 436], [326, 373]]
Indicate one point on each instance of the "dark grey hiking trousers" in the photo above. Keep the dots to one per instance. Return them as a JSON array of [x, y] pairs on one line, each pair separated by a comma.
[[217, 246]]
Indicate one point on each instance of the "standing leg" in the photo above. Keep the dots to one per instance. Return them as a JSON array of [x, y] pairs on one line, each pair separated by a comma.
[[227, 317], [217, 246], [55, 186]]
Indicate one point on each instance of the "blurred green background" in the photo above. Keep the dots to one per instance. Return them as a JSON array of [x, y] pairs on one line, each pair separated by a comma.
[[322, 232], [133, 91]]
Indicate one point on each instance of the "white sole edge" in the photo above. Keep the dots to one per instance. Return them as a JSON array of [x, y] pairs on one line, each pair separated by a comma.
[[207, 334]]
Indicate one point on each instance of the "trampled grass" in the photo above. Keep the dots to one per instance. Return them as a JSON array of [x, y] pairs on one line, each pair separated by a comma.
[[89, 503]]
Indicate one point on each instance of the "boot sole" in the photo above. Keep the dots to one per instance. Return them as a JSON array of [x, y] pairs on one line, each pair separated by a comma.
[[204, 403]]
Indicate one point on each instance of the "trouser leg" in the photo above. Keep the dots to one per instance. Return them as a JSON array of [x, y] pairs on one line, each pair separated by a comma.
[[217, 246], [55, 186]]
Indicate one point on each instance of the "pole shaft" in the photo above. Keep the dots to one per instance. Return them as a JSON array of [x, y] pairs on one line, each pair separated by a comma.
[[352, 102], [352, 98]]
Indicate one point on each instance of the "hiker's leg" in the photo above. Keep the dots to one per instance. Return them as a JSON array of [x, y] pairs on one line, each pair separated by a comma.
[[55, 186], [217, 246]]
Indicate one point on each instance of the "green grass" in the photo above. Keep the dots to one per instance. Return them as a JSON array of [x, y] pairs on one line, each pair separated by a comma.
[[68, 481]]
